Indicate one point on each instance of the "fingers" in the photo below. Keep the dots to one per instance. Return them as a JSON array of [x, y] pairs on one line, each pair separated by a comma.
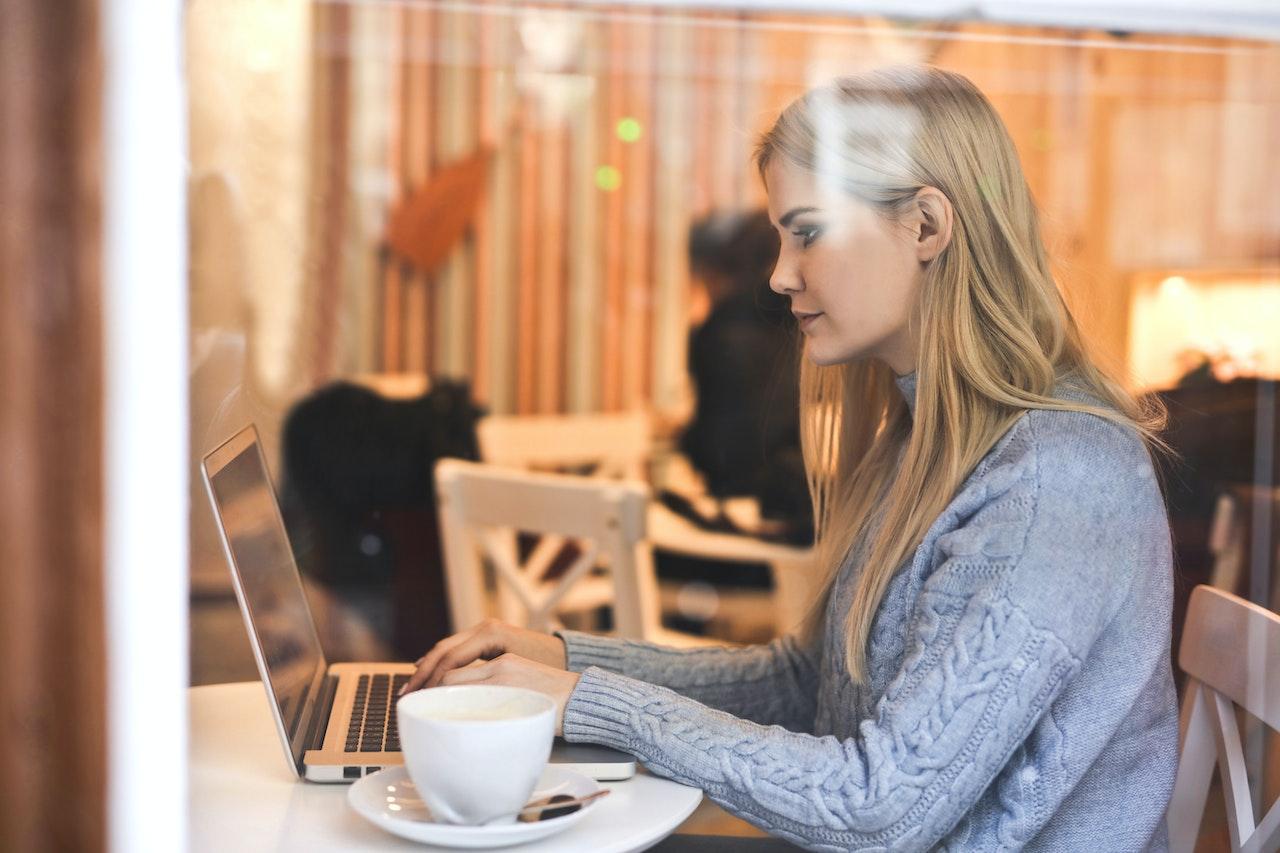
[[482, 641], [470, 674], [459, 656], [427, 663]]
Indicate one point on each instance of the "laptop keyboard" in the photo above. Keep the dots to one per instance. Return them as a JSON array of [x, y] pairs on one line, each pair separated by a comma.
[[373, 717]]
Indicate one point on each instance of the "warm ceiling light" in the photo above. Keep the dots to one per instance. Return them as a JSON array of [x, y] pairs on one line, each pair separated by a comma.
[[1174, 286]]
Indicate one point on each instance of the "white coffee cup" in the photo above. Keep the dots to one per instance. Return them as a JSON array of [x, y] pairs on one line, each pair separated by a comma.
[[474, 752]]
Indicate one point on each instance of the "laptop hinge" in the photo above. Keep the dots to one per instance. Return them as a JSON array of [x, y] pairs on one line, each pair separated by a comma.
[[320, 716]]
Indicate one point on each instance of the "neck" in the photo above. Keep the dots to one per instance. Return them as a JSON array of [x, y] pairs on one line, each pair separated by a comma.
[[907, 385]]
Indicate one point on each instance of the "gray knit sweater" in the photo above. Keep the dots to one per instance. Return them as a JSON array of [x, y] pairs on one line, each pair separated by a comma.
[[1020, 692]]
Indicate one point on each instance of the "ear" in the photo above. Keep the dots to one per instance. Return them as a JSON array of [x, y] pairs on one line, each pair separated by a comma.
[[931, 223]]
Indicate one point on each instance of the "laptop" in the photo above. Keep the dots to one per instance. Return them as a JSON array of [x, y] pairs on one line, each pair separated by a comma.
[[336, 721]]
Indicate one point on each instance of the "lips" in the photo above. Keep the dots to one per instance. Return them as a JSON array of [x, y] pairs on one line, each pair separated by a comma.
[[805, 319]]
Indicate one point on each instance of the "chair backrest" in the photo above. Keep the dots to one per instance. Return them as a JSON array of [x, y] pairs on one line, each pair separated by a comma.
[[617, 445], [1231, 654], [483, 508]]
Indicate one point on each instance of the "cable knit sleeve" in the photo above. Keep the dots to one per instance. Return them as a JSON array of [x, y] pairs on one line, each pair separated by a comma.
[[1036, 554], [773, 684]]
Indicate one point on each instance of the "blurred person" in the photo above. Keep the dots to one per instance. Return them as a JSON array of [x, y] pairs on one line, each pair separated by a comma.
[[744, 436], [987, 665]]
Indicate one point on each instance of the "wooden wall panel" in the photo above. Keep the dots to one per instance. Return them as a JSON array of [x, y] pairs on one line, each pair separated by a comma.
[[456, 138], [332, 108], [397, 38], [614, 34], [674, 117], [567, 294], [421, 118], [552, 266], [584, 330], [638, 215], [530, 242], [53, 696], [482, 283]]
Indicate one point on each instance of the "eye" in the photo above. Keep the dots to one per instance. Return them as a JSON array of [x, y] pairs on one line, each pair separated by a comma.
[[807, 235]]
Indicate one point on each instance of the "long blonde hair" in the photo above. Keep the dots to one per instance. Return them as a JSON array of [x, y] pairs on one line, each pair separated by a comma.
[[995, 335]]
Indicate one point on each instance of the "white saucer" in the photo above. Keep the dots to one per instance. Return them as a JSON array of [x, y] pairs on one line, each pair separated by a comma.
[[375, 799]]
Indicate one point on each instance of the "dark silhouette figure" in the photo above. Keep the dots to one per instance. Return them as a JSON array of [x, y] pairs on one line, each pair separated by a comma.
[[744, 437], [359, 501]]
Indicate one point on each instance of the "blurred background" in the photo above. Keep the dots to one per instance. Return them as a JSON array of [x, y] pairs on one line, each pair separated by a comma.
[[388, 223]]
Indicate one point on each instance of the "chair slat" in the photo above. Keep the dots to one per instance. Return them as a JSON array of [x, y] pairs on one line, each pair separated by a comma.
[[1197, 755], [1233, 646], [542, 556], [508, 569], [562, 585], [1266, 838], [1231, 767]]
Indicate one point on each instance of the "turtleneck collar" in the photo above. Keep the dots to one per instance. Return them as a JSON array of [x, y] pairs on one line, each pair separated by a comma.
[[907, 385]]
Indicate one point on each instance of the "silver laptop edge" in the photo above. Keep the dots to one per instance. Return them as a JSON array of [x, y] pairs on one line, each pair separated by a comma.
[[295, 747]]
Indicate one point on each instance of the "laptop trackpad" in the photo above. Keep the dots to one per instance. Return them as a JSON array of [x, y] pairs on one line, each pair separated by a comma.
[[598, 762]]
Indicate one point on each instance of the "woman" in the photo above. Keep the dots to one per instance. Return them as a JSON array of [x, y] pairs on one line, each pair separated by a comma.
[[988, 665]]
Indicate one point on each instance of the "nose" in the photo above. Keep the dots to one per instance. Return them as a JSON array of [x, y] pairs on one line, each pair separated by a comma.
[[786, 277]]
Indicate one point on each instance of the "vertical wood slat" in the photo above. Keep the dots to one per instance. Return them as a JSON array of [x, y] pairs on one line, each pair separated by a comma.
[[673, 116], [551, 326], [419, 102], [331, 111], [585, 300], [431, 107], [702, 61], [613, 104], [488, 136], [502, 207], [392, 282], [52, 622], [637, 311], [455, 139], [525, 368], [722, 89]]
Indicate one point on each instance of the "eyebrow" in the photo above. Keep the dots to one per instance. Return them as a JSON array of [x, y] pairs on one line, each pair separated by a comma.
[[791, 214]]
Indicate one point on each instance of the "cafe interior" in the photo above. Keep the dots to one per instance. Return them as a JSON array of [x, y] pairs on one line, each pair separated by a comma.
[[400, 232]]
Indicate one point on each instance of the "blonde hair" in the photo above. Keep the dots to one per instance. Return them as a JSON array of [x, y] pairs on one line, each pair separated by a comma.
[[995, 335]]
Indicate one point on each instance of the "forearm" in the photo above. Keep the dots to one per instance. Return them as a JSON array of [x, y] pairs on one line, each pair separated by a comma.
[[773, 684]]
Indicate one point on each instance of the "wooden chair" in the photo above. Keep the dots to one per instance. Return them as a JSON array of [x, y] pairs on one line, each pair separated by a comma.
[[1231, 654], [611, 445], [620, 446], [483, 508]]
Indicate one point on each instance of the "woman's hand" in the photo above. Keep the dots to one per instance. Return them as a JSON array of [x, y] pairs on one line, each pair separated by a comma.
[[486, 641], [511, 670]]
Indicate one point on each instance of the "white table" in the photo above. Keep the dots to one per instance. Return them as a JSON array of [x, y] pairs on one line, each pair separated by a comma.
[[244, 798]]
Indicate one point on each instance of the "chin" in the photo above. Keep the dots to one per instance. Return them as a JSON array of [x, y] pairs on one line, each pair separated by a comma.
[[828, 356]]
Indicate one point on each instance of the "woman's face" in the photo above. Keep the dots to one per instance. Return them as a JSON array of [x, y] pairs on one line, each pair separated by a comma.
[[853, 276]]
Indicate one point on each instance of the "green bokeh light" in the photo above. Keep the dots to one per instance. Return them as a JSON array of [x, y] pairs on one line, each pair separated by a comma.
[[628, 129], [608, 178]]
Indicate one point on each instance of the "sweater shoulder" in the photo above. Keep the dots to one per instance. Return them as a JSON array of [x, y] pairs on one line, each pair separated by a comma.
[[1070, 450], [1055, 484]]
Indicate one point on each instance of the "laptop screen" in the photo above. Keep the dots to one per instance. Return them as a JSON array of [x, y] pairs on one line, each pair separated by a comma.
[[268, 576]]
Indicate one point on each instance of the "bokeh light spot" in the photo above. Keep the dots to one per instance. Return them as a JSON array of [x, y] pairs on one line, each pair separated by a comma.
[[608, 178], [628, 129]]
